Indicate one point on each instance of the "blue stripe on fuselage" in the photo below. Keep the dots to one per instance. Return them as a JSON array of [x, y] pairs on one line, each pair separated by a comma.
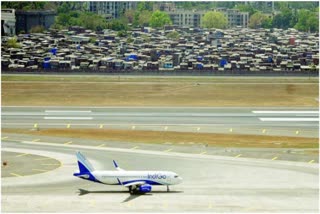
[[144, 180]]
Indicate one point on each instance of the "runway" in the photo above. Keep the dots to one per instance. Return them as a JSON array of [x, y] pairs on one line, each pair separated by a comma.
[[267, 121], [211, 183]]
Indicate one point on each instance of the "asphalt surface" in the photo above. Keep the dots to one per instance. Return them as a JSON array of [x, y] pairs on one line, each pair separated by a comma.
[[302, 122], [211, 183]]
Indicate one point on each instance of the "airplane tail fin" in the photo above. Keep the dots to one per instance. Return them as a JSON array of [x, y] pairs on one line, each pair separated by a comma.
[[84, 164]]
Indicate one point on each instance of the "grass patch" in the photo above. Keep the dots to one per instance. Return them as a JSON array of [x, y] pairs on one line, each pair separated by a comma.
[[222, 94], [128, 78], [219, 140]]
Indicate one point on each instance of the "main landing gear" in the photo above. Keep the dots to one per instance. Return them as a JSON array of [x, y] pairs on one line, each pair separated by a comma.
[[168, 190]]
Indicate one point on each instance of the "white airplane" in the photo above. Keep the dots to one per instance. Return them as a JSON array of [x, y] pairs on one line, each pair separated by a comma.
[[136, 181]]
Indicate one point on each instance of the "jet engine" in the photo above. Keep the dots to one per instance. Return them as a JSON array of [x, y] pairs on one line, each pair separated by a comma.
[[145, 188]]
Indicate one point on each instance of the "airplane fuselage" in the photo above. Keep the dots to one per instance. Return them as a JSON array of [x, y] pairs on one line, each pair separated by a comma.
[[149, 177]]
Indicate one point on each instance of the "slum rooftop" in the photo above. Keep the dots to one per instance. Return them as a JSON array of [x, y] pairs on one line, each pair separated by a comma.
[[150, 49]]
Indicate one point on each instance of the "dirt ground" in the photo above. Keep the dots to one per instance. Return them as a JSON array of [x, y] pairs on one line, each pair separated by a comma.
[[210, 92], [221, 140]]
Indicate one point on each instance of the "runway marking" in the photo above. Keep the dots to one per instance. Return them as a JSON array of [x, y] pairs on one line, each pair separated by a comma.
[[289, 119], [285, 112], [36, 140], [275, 158], [135, 147], [14, 174], [50, 164], [42, 159], [311, 161], [24, 154], [6, 137], [67, 111], [210, 206], [168, 150], [202, 153], [238, 156], [67, 143], [68, 118], [40, 170], [101, 145]]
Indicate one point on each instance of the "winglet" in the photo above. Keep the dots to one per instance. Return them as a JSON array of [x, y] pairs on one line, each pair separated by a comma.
[[116, 166]]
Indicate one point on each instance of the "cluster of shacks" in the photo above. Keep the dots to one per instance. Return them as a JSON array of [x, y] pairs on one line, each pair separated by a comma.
[[236, 49]]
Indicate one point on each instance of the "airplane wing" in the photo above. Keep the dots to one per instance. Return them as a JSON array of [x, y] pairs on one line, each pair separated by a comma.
[[135, 183]]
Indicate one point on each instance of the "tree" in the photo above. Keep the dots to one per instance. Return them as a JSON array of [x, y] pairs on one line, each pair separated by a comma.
[[174, 35], [286, 19], [13, 43], [129, 15], [246, 8], [159, 19], [214, 20], [307, 21], [144, 18], [257, 20]]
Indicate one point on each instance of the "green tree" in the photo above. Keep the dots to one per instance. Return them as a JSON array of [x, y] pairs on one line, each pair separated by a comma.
[[159, 19], [129, 15], [174, 35], [214, 20], [13, 43], [246, 8], [257, 20], [307, 21], [144, 18], [286, 19]]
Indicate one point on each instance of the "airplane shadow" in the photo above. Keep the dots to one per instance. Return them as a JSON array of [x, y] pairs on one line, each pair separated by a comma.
[[129, 198]]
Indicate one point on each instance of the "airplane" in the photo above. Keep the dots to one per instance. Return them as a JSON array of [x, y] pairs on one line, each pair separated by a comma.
[[136, 181]]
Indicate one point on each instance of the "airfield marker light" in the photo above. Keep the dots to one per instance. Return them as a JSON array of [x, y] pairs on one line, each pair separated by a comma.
[[101, 126], [264, 131], [231, 130], [68, 126], [297, 132]]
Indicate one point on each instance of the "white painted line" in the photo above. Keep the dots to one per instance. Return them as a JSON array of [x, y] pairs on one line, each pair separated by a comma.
[[68, 118], [285, 112], [66, 111], [288, 119]]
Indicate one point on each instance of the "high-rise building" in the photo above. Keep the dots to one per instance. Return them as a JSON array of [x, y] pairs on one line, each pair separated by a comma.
[[113, 9], [8, 22], [235, 17], [186, 18]]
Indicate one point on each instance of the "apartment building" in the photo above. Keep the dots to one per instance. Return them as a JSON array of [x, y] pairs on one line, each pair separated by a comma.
[[186, 18], [111, 9], [235, 17]]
